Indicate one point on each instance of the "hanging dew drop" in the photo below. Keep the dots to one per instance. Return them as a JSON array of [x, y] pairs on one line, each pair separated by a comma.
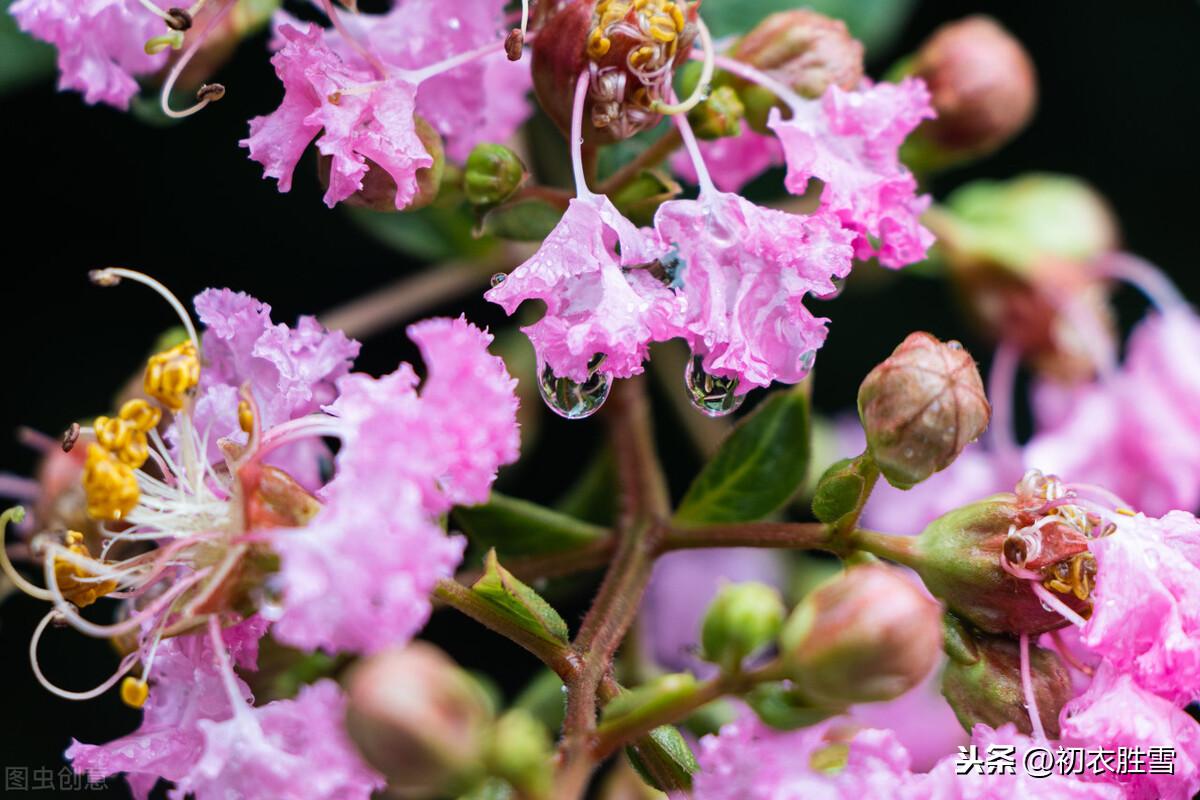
[[498, 278], [573, 400], [710, 395]]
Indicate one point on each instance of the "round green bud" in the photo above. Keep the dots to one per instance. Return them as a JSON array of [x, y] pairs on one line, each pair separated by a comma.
[[720, 115], [492, 174], [742, 619], [521, 752]]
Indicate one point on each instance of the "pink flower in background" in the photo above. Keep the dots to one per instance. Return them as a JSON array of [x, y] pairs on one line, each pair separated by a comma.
[[101, 44], [749, 761], [850, 141], [593, 306], [1146, 619], [1116, 713], [743, 272], [921, 720], [732, 161], [359, 576], [359, 115]]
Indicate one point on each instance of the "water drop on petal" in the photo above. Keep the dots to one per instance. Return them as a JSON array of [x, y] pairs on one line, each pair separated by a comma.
[[710, 395], [498, 279], [573, 400]]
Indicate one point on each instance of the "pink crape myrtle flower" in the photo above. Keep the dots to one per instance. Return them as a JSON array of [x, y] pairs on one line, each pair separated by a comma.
[[359, 115], [593, 305], [290, 373], [850, 142], [480, 101], [1146, 618], [743, 273], [732, 161], [920, 719], [358, 577], [749, 761], [1116, 713], [101, 44], [187, 689]]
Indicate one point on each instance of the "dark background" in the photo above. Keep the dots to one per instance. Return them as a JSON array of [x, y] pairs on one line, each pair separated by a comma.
[[89, 187]]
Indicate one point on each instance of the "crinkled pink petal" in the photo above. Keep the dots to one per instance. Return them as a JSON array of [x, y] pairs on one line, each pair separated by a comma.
[[286, 750], [850, 141], [101, 43], [186, 688], [732, 161], [1146, 618], [743, 272], [749, 761], [1114, 713], [361, 116], [592, 305]]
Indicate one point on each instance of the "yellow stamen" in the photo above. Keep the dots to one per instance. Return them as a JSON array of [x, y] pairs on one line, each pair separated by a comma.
[[141, 415], [245, 416], [1128, 512], [134, 691], [111, 488], [170, 375], [67, 574]]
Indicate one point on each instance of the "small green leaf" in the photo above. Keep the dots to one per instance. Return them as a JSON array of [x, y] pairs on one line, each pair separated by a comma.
[[520, 527], [758, 468], [841, 490], [663, 759], [523, 605], [523, 221], [647, 700], [784, 708]]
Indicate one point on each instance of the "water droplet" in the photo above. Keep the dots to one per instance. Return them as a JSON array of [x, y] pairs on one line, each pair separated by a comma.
[[498, 279], [454, 23], [839, 285], [954, 344], [712, 396], [570, 399]]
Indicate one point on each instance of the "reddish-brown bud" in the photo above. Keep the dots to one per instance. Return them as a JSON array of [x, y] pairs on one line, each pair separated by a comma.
[[378, 191], [989, 689], [631, 50], [418, 718], [865, 635], [983, 84], [804, 50], [921, 407]]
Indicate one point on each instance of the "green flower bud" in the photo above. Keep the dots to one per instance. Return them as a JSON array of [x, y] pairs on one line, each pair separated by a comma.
[[842, 489], [989, 689], [492, 174], [921, 407], [719, 115], [866, 635], [520, 752], [419, 719], [741, 620]]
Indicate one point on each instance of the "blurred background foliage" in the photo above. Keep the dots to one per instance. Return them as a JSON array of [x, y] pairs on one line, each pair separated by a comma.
[[89, 187]]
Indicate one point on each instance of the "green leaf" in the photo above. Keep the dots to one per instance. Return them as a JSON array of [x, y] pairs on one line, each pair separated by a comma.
[[759, 466], [23, 59], [783, 707], [523, 221], [521, 604], [875, 23], [649, 699], [842, 489], [663, 759], [520, 527], [434, 233]]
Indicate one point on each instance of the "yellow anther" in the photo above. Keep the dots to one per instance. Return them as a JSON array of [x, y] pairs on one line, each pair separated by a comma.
[[111, 488], [677, 15], [112, 433], [663, 29], [245, 416], [170, 375], [141, 415], [641, 55], [68, 573], [598, 44], [1128, 512], [134, 691]]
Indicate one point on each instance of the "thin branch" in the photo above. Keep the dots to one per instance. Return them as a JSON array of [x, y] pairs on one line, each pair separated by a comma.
[[652, 156]]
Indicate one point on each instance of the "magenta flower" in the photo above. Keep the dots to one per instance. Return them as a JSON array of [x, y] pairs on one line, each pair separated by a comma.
[[359, 576], [101, 44], [594, 306], [732, 161], [1116, 713], [749, 761], [850, 141], [1146, 619], [744, 271], [361, 117]]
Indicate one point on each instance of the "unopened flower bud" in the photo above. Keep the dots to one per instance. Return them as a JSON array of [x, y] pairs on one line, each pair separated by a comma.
[[989, 689], [983, 87], [961, 558], [742, 619], [419, 719], [520, 751], [1020, 254], [492, 173], [630, 49], [866, 635], [921, 407], [718, 116], [378, 191]]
